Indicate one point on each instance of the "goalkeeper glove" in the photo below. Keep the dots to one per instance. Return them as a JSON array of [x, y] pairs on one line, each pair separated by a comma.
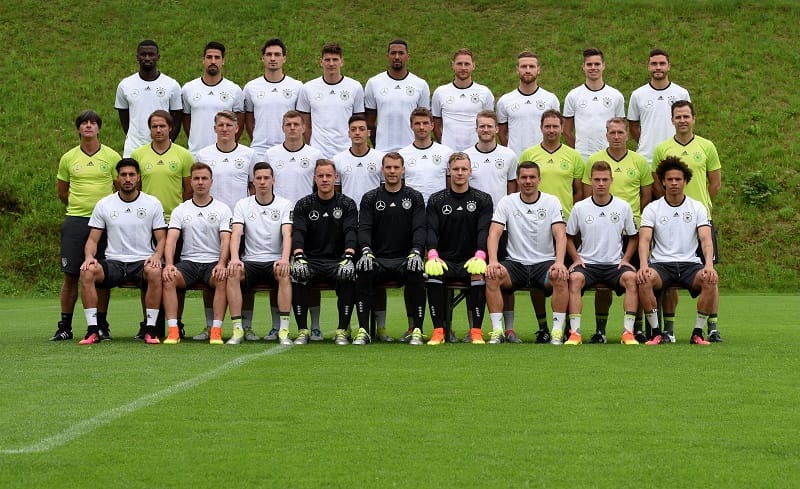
[[435, 266], [347, 269], [477, 264], [367, 260], [300, 272], [414, 262]]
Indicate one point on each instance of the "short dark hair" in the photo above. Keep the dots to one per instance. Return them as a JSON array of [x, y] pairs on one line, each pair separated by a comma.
[[593, 52], [551, 113], [291, 114], [263, 165], [214, 45], [673, 163], [199, 165], [681, 103], [147, 43], [600, 166], [465, 52], [88, 115], [128, 162], [332, 48], [658, 52], [356, 117], [395, 156], [163, 114], [528, 54], [397, 41], [421, 112], [274, 42], [524, 165], [324, 162]]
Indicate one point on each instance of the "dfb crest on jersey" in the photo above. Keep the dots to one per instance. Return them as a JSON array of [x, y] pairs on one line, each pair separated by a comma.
[[698, 156], [687, 217], [475, 98], [141, 212], [275, 214], [410, 91], [589, 219], [406, 203], [380, 205], [173, 166], [104, 166], [672, 99], [337, 212], [607, 102], [160, 92], [471, 206], [615, 217], [287, 93], [304, 162], [437, 159], [631, 173], [224, 96], [541, 214], [372, 168], [541, 105], [213, 217], [238, 163], [313, 215], [564, 165], [499, 163], [344, 95]]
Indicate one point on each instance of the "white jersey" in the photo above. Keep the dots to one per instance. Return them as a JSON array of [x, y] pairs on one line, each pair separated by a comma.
[[293, 170], [523, 114], [492, 171], [394, 100], [268, 101], [202, 102], [232, 172], [262, 227], [530, 227], [426, 169], [141, 98], [330, 106], [129, 226], [358, 174], [591, 109], [653, 109], [601, 228], [457, 107], [675, 236], [200, 227]]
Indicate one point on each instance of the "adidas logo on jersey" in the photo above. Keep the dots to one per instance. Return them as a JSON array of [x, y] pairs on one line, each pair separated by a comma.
[[397, 87], [528, 102], [211, 92], [332, 92], [676, 215], [274, 90]]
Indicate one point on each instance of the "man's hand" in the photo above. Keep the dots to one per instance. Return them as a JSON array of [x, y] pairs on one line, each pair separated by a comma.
[[414, 262], [477, 264], [347, 269], [435, 266], [367, 261], [300, 271]]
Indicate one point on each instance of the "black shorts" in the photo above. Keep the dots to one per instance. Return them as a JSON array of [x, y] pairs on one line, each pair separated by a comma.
[[455, 273], [194, 272], [74, 233], [713, 243], [258, 273], [608, 275], [322, 271], [119, 273], [390, 270], [528, 276], [678, 273]]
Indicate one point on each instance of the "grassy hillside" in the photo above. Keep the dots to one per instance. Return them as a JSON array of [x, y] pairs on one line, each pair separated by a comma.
[[737, 59]]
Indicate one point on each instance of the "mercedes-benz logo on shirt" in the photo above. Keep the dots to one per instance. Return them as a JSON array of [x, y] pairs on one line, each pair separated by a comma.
[[446, 209], [380, 205], [313, 215]]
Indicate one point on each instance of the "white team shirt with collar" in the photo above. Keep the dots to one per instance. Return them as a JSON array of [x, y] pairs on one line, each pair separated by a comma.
[[358, 174], [591, 109], [457, 107], [330, 106], [426, 169], [293, 170], [141, 98], [394, 100], [653, 109], [675, 237], [523, 114], [492, 171], [202, 102], [233, 171], [129, 226], [530, 233], [601, 228], [262, 227], [268, 101], [200, 227]]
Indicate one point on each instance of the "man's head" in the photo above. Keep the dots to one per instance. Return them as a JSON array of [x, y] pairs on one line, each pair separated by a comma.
[[600, 178], [683, 117], [263, 177], [226, 124], [292, 125], [213, 58], [88, 124], [463, 64], [421, 122], [160, 124], [357, 129], [617, 132], [527, 67], [658, 64], [672, 166], [393, 167], [593, 64], [147, 55], [332, 59], [528, 174], [273, 54], [486, 125], [324, 176], [201, 178], [397, 55], [459, 167], [127, 175], [552, 123]]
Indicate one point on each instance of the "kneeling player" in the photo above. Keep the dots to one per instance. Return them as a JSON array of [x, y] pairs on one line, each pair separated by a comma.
[[205, 226], [600, 221]]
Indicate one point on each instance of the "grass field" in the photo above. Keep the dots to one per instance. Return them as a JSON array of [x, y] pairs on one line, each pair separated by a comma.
[[259, 415]]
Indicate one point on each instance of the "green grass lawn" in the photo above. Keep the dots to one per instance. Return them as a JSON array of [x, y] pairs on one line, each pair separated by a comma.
[[122, 414]]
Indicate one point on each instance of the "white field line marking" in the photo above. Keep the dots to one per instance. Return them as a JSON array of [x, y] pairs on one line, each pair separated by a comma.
[[106, 417]]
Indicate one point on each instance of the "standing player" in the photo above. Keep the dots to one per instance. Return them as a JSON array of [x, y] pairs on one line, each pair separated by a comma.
[[588, 107], [674, 225], [328, 101], [391, 233], [426, 167], [537, 246], [358, 168], [324, 238], [268, 97], [458, 225], [208, 95], [85, 175], [519, 112], [389, 98], [632, 182], [455, 105], [130, 219], [600, 221], [264, 222], [204, 224], [702, 157], [141, 93], [649, 106]]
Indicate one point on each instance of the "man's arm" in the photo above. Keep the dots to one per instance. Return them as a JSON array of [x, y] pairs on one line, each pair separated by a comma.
[[372, 124], [307, 123], [187, 124], [560, 237], [187, 188], [636, 130], [250, 124], [645, 236], [241, 123], [237, 230], [161, 241], [90, 248], [577, 190], [503, 134], [63, 191], [177, 115], [169, 247], [125, 119], [569, 131], [492, 243], [645, 195], [511, 187], [437, 128], [714, 183]]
